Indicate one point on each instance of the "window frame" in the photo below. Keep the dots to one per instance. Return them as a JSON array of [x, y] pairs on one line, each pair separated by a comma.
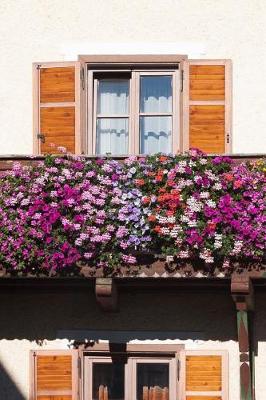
[[135, 353], [135, 64]]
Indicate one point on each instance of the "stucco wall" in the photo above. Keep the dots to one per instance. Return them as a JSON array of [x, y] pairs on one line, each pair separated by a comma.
[[51, 30], [43, 314]]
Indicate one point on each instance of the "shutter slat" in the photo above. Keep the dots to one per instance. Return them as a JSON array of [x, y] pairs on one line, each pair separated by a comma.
[[209, 124]]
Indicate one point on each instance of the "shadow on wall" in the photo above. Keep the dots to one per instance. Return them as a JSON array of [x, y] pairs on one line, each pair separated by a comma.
[[9, 390], [48, 313]]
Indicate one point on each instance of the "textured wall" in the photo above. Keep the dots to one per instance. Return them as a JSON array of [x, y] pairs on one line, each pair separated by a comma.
[[41, 314], [38, 30]]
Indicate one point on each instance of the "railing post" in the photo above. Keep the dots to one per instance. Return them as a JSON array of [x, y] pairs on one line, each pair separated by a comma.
[[242, 293]]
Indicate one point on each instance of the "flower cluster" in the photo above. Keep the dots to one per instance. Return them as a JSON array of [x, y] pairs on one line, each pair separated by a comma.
[[66, 212]]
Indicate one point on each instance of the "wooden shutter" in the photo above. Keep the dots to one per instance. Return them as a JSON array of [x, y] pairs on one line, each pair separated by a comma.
[[54, 375], [56, 97], [204, 375], [207, 123]]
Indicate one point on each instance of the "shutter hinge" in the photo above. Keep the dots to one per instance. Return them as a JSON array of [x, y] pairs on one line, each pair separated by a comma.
[[79, 367], [38, 66], [182, 81], [41, 137], [178, 369], [82, 78], [227, 138]]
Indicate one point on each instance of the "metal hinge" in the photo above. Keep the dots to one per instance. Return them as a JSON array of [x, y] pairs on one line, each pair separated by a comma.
[[227, 138], [41, 137], [182, 81], [82, 78], [178, 369], [38, 66], [79, 367]]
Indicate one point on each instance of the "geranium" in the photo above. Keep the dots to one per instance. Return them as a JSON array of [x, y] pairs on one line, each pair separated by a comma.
[[66, 212]]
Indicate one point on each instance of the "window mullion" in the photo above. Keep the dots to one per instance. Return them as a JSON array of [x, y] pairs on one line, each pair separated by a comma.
[[176, 142], [136, 77]]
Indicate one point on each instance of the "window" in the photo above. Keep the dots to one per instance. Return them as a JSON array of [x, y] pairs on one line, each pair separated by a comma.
[[134, 112], [129, 372], [140, 373], [122, 105]]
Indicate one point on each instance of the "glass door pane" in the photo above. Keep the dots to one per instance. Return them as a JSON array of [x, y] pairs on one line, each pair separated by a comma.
[[156, 114], [112, 116], [156, 94], [152, 381], [108, 381], [113, 96], [112, 136], [155, 134]]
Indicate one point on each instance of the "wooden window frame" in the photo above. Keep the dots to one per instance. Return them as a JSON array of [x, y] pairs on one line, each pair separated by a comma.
[[135, 353], [136, 65], [134, 113]]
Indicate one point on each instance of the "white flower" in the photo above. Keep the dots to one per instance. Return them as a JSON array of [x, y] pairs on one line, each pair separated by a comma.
[[203, 161], [211, 203], [133, 170], [192, 224], [78, 242], [184, 254], [204, 195], [217, 186]]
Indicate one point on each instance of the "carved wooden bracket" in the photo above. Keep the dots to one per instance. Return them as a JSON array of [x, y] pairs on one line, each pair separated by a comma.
[[106, 293], [243, 295], [242, 292]]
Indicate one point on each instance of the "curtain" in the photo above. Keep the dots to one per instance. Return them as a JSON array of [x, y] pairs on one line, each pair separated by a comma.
[[113, 96], [155, 134], [112, 133], [156, 94]]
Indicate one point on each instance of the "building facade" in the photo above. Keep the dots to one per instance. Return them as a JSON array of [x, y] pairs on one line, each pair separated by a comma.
[[96, 66]]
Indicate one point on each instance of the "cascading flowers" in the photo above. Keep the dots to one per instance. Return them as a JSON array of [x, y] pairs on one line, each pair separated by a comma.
[[66, 212]]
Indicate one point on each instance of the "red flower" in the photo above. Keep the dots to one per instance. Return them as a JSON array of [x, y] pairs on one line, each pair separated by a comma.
[[162, 158], [228, 177], [146, 200], [212, 225], [158, 178], [139, 182], [152, 218], [238, 184]]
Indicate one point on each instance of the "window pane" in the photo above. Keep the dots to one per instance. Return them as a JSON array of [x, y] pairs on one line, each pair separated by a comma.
[[112, 136], [155, 135], [113, 96], [156, 94], [152, 381], [108, 381]]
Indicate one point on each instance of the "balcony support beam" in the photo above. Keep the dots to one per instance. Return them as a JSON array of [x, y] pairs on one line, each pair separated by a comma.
[[106, 293]]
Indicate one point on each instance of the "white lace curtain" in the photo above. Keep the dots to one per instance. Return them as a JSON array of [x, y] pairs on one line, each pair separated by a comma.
[[113, 100]]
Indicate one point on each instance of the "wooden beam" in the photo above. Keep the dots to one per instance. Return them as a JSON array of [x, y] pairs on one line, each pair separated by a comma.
[[106, 293], [242, 293]]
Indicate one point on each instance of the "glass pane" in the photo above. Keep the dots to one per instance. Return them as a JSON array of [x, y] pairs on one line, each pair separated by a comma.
[[152, 381], [112, 136], [113, 96], [156, 94], [155, 135], [108, 381]]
